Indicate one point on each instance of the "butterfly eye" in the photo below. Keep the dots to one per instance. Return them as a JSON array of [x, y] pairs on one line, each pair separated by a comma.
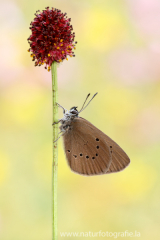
[[73, 111]]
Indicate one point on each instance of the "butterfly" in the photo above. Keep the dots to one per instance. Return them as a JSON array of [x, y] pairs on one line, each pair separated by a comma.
[[88, 150]]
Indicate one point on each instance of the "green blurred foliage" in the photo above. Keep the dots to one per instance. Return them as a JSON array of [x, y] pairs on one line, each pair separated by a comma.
[[118, 56]]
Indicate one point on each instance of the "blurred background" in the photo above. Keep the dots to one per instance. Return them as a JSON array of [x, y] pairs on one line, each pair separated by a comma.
[[118, 56]]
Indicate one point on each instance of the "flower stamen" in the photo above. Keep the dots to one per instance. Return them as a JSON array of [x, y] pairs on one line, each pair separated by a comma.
[[52, 38]]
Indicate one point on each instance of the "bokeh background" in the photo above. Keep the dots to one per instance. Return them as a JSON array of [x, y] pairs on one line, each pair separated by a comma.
[[118, 56]]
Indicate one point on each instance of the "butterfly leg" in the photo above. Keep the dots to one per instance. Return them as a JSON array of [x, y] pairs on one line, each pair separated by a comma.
[[58, 137], [64, 110], [60, 132], [56, 122]]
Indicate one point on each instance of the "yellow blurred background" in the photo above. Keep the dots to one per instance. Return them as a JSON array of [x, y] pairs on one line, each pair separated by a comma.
[[118, 56]]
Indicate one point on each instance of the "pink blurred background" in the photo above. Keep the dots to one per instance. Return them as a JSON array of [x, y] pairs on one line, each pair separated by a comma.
[[118, 56]]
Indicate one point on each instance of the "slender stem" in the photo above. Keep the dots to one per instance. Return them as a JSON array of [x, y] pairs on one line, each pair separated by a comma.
[[55, 149]]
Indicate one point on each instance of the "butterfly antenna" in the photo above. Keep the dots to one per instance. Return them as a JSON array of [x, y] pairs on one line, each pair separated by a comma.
[[88, 102], [85, 102]]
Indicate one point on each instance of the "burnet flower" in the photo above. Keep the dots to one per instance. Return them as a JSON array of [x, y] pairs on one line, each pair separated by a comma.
[[52, 38], [51, 41]]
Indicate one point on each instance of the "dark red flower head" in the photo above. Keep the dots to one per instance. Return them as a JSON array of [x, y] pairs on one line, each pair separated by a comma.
[[52, 38]]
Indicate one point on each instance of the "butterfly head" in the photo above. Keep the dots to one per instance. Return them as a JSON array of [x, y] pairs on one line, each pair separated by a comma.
[[68, 116], [73, 111]]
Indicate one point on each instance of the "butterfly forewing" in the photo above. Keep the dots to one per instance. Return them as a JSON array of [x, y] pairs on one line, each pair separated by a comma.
[[91, 152], [87, 153]]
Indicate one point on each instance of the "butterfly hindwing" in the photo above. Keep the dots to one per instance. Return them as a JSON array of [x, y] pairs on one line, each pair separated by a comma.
[[120, 160]]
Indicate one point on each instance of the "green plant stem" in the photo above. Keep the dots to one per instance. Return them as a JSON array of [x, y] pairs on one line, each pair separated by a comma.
[[55, 149]]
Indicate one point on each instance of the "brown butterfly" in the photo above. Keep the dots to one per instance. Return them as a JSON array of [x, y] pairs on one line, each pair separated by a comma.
[[89, 151]]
